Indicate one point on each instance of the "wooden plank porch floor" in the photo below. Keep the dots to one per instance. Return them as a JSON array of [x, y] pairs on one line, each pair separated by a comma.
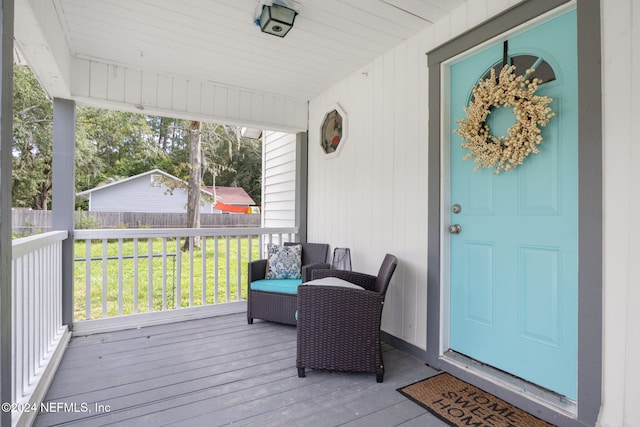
[[220, 371]]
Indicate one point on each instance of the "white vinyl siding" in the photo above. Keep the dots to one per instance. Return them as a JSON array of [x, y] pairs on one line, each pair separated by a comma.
[[372, 197], [279, 180], [621, 228]]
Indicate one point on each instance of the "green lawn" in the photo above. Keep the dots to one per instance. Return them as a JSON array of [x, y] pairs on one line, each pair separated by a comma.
[[165, 285]]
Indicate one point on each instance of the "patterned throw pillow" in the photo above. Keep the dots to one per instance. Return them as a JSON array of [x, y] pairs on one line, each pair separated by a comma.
[[284, 262]]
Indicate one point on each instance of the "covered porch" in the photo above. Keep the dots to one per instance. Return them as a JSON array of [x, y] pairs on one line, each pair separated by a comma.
[[382, 192]]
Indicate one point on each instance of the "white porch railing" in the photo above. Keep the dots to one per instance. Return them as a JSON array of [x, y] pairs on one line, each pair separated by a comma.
[[38, 336], [121, 278], [146, 272]]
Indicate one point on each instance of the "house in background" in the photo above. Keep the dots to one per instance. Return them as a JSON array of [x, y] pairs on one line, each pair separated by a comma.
[[147, 192], [232, 200], [158, 191]]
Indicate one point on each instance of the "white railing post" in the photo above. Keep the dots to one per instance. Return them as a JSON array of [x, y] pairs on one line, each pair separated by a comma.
[[87, 283]]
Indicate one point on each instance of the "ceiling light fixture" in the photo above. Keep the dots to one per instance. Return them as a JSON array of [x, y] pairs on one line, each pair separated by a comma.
[[276, 19]]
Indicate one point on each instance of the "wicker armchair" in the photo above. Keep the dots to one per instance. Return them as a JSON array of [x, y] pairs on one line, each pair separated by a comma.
[[278, 306], [338, 326]]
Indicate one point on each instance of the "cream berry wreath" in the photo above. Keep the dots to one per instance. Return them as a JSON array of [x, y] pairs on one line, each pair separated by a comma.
[[531, 111]]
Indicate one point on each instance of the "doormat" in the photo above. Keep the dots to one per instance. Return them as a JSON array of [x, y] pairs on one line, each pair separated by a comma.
[[460, 404]]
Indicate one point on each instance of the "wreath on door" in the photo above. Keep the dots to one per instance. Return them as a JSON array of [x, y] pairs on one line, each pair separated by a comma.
[[531, 111]]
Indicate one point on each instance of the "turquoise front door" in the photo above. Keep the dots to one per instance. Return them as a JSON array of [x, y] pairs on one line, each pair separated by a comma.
[[513, 266]]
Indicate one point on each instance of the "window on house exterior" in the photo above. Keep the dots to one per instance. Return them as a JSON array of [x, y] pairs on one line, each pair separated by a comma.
[[543, 70]]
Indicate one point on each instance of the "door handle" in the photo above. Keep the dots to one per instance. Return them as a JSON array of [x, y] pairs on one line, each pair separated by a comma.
[[455, 229]]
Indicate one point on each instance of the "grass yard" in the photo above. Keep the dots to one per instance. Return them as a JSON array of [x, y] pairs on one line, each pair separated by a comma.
[[157, 285]]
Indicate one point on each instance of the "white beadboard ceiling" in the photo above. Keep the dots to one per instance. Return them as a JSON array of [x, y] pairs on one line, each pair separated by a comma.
[[216, 40]]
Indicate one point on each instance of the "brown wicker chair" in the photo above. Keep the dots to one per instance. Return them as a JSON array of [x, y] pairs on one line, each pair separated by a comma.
[[339, 327], [276, 306]]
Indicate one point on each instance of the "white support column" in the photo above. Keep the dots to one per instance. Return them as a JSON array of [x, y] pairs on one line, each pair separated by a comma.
[[64, 193], [6, 132]]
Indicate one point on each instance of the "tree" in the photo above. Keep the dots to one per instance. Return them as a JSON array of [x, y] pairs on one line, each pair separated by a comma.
[[32, 136], [168, 132], [227, 158], [195, 179], [205, 145], [89, 165], [123, 141], [231, 160], [244, 169], [219, 144]]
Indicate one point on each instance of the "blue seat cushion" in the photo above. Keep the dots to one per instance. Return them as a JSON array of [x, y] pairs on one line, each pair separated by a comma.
[[281, 286]]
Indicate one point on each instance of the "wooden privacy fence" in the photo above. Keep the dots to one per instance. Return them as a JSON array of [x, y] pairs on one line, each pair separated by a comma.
[[27, 222]]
